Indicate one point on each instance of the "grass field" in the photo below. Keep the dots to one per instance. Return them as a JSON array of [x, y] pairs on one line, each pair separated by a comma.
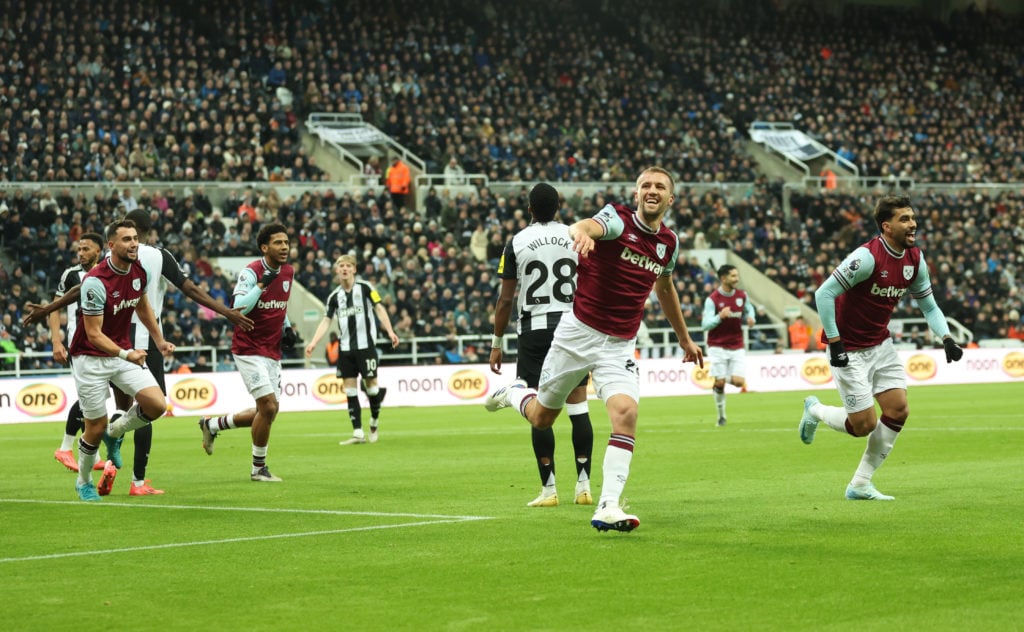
[[743, 527]]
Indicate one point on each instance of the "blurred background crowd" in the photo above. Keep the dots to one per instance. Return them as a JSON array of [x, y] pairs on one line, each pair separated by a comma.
[[136, 95]]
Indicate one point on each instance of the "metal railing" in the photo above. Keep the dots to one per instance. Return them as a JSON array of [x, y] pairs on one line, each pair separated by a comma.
[[420, 350], [903, 328], [362, 134], [657, 343], [858, 183], [792, 159]]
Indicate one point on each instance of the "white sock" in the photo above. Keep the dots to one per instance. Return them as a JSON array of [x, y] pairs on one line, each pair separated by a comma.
[[358, 433], [85, 465], [880, 443], [214, 423], [549, 485], [119, 426], [615, 473], [131, 420], [582, 478], [259, 453], [517, 395], [67, 443], [719, 402], [582, 482], [833, 416]]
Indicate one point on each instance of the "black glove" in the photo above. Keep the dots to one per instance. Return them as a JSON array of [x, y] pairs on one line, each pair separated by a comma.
[[288, 339], [953, 350], [268, 276], [837, 354]]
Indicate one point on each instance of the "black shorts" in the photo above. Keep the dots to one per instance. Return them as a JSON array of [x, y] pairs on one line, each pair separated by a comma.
[[533, 346], [354, 363], [155, 364], [154, 359]]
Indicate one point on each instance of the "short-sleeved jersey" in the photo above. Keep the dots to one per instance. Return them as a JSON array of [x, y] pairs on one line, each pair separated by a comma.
[[728, 334], [875, 278], [353, 311], [114, 295], [615, 279], [542, 258], [68, 279], [162, 268], [269, 313]]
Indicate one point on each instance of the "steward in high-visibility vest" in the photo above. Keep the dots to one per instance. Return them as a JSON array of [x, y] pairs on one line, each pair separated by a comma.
[[398, 180]]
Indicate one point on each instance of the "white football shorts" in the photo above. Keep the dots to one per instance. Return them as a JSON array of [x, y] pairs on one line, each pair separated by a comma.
[[93, 375], [726, 363], [871, 371], [262, 376], [578, 349]]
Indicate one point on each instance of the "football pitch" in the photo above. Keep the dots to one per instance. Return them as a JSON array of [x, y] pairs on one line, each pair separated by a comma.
[[742, 527]]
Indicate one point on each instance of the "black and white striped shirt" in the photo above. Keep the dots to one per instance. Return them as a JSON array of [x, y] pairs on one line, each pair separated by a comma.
[[353, 309], [68, 279], [541, 258], [162, 269]]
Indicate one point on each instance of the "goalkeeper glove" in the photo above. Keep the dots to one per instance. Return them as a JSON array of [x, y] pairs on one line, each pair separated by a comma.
[[288, 339], [953, 350], [268, 276], [837, 354]]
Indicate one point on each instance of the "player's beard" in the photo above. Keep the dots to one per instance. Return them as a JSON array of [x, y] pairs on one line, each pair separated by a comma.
[[652, 217]]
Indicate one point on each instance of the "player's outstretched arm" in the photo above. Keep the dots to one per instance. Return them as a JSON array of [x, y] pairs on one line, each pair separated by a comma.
[[502, 314], [669, 300], [385, 322], [321, 329], [201, 296], [583, 233], [148, 318], [60, 352], [35, 312]]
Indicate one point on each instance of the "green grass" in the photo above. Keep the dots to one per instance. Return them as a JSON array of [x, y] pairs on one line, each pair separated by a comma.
[[743, 527]]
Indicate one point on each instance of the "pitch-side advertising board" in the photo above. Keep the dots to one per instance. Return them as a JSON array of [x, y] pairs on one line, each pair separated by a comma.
[[192, 395]]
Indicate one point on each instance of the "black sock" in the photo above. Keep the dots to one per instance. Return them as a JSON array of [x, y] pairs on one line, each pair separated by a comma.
[[544, 450], [375, 404], [582, 442], [143, 438], [75, 423], [355, 413]]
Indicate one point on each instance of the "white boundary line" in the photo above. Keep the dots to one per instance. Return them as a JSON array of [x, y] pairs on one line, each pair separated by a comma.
[[432, 519], [709, 426]]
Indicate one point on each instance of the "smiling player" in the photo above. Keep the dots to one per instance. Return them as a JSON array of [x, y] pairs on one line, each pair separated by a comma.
[[855, 305]]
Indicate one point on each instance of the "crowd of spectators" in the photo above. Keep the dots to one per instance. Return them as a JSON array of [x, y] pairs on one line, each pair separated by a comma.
[[190, 91], [148, 94], [604, 94], [898, 92], [143, 92], [436, 271]]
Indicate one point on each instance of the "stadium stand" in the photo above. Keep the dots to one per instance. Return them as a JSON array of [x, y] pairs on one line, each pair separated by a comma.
[[194, 112]]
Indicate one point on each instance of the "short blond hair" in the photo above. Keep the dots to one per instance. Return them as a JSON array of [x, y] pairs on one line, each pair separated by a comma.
[[345, 259], [663, 171]]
